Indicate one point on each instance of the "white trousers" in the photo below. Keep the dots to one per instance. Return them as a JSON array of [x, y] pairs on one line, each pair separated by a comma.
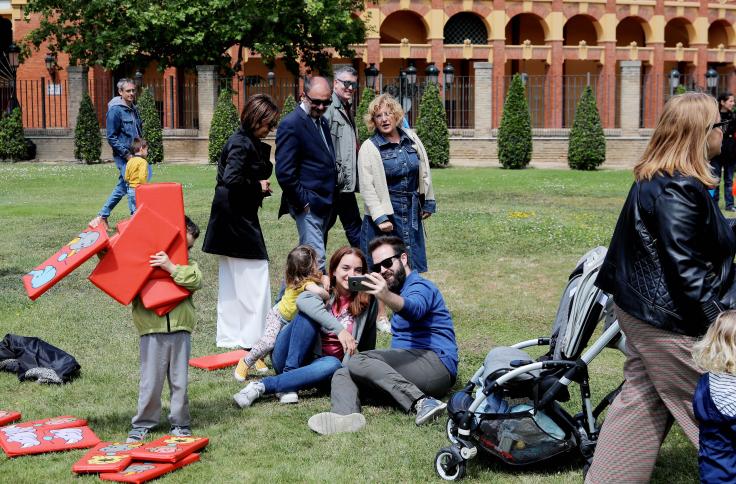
[[243, 300]]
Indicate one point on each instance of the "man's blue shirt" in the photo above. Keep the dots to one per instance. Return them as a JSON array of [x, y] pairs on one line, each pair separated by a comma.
[[425, 323]]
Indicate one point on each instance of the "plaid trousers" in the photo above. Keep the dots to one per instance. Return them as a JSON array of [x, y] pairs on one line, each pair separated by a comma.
[[660, 379]]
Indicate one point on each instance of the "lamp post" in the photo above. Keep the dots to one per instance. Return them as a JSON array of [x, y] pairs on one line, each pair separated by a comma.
[[371, 74], [271, 78], [674, 80], [524, 78], [51, 66], [138, 79], [432, 73], [448, 74], [13, 57], [411, 73], [711, 80]]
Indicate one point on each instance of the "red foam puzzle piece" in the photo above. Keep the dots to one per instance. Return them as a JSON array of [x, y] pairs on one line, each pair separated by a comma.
[[138, 472], [169, 448], [215, 362], [125, 268], [162, 295], [62, 422], [86, 244], [18, 440], [7, 416], [106, 457], [167, 200]]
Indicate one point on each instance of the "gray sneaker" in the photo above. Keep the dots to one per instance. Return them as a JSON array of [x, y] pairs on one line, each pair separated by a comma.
[[288, 397], [180, 431], [252, 392], [328, 423], [136, 434], [428, 408]]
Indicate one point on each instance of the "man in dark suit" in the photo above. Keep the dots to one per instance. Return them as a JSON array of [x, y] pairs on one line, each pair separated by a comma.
[[305, 166]]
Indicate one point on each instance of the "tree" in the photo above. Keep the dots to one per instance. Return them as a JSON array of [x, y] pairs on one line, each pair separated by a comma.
[[87, 139], [587, 144], [515, 132], [680, 89], [289, 106], [224, 123], [152, 130], [432, 127], [12, 142], [186, 33], [365, 100]]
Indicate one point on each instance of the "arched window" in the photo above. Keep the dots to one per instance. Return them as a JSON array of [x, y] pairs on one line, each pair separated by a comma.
[[580, 27], [525, 26], [630, 30], [465, 25], [403, 25], [677, 30]]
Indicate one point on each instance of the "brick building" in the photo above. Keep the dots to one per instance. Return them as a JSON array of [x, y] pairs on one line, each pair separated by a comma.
[[632, 52]]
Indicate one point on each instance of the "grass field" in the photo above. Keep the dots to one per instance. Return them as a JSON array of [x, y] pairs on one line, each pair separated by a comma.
[[500, 248]]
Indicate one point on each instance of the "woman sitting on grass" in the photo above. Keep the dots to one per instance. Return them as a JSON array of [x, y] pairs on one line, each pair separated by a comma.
[[314, 345]]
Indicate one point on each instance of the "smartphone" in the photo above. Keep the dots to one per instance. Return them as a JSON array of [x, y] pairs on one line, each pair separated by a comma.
[[355, 283]]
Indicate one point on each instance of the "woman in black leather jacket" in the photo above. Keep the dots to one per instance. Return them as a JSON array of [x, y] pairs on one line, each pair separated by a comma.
[[670, 270], [723, 163]]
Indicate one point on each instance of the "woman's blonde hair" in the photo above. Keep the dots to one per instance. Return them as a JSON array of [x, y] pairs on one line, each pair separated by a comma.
[[716, 352], [391, 105], [680, 140]]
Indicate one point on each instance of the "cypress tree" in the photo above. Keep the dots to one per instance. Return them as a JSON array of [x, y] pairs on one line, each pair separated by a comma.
[[587, 144], [152, 130], [87, 139], [12, 140], [289, 106], [432, 127], [225, 122], [365, 100], [515, 132]]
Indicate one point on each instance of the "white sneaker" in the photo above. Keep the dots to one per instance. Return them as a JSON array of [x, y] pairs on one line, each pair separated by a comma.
[[327, 423], [288, 397], [252, 392], [383, 325]]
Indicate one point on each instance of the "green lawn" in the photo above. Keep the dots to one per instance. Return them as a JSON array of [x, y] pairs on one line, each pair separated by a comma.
[[500, 248]]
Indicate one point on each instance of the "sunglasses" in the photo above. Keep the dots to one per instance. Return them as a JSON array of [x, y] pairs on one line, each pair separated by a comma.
[[722, 125], [349, 84], [385, 263], [318, 102]]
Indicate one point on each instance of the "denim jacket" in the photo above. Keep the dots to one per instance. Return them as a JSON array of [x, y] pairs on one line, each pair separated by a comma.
[[123, 125]]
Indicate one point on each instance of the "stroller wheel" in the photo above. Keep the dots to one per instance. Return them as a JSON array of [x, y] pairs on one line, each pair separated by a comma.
[[452, 431], [449, 465]]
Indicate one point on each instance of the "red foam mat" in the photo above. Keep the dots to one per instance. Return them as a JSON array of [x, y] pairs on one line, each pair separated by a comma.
[[7, 416], [162, 295], [167, 200], [17, 440], [169, 448], [106, 457], [138, 472], [215, 362]]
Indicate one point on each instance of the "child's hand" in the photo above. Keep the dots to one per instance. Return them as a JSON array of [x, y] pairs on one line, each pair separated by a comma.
[[315, 289], [161, 259], [95, 222]]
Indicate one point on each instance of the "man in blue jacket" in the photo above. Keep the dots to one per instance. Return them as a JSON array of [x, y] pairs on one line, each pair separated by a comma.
[[123, 126], [305, 166], [421, 364]]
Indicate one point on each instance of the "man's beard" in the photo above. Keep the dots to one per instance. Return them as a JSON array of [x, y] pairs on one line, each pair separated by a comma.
[[397, 280]]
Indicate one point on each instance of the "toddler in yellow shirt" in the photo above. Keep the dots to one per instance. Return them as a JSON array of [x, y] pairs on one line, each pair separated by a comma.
[[136, 170]]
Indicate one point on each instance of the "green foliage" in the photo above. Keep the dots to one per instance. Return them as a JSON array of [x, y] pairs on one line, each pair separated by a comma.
[[152, 130], [365, 100], [515, 132], [289, 106], [186, 33], [87, 139], [680, 89], [587, 144], [12, 143], [225, 122], [432, 127]]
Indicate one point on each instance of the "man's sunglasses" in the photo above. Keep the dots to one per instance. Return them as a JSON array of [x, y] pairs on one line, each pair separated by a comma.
[[349, 84], [385, 263], [318, 102]]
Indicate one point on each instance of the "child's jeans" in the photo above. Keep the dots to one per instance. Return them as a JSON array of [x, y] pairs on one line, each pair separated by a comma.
[[131, 199], [274, 323]]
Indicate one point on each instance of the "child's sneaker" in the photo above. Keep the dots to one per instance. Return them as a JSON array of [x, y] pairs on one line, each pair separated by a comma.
[[288, 397], [241, 371], [136, 434], [261, 366], [252, 392], [180, 431]]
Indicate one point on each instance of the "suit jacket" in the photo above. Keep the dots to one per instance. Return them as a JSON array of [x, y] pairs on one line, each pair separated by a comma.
[[305, 167]]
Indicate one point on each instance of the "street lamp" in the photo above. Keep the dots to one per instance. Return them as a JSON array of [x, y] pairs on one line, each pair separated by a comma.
[[674, 80], [51, 65], [271, 77], [138, 79], [371, 73], [449, 73], [711, 80], [411, 73], [13, 57], [524, 78], [432, 73]]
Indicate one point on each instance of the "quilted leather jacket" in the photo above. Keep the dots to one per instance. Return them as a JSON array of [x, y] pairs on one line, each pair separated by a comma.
[[670, 262]]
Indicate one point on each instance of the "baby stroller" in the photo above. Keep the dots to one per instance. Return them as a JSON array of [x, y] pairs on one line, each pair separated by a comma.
[[510, 407]]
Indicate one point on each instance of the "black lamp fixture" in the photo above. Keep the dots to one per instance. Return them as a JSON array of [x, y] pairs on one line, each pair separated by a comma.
[[371, 74], [13, 56], [411, 73], [449, 73], [271, 77], [51, 65], [711, 78], [674, 78], [138, 79], [432, 73]]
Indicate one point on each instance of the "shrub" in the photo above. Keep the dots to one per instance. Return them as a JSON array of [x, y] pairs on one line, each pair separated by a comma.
[[363, 132], [587, 145], [289, 106], [13, 145], [225, 122], [680, 89], [87, 139], [152, 130], [432, 127], [515, 132]]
